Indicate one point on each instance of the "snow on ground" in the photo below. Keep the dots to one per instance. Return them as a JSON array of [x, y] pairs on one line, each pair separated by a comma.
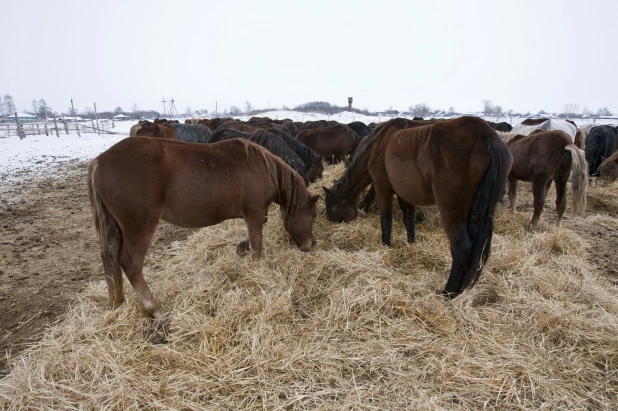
[[36, 152]]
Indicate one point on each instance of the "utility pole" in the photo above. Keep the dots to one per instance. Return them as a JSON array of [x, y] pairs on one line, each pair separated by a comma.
[[216, 110], [163, 101]]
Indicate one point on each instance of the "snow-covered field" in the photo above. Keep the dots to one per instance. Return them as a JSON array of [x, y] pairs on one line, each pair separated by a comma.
[[35, 152]]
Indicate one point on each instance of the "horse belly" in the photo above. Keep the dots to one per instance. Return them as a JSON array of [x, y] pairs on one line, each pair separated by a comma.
[[409, 183]]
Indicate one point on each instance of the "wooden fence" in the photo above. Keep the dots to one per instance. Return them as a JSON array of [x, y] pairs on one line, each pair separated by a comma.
[[55, 128]]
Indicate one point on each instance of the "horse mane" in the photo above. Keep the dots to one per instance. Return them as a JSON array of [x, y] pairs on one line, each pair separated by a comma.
[[304, 152], [507, 137]]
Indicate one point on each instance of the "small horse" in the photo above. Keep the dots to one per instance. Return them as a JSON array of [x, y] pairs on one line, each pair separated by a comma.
[[139, 181], [540, 158], [460, 165], [548, 125], [160, 130], [193, 133], [609, 168], [601, 143], [336, 141]]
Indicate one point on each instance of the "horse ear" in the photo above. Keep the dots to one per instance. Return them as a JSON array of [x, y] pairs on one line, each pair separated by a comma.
[[326, 190], [314, 199]]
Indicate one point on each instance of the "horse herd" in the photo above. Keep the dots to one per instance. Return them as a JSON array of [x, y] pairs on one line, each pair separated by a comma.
[[203, 172]]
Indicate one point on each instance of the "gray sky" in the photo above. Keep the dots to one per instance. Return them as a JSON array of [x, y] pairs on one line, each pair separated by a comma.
[[524, 55]]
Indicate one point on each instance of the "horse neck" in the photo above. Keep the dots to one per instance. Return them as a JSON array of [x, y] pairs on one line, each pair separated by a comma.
[[355, 178]]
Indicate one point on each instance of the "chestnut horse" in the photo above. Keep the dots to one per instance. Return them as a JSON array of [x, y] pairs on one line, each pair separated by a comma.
[[544, 156], [160, 130], [459, 165], [335, 141], [139, 181]]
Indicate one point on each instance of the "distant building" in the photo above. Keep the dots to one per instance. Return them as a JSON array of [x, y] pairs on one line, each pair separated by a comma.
[[121, 117], [23, 117]]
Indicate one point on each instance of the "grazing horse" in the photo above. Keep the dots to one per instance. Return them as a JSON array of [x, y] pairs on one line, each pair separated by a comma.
[[609, 168], [308, 125], [534, 121], [460, 165], [136, 127], [334, 141], [270, 142], [601, 142], [160, 130], [540, 158], [139, 181], [502, 126]]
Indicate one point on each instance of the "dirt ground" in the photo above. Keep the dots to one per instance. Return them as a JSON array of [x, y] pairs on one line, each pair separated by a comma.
[[49, 249]]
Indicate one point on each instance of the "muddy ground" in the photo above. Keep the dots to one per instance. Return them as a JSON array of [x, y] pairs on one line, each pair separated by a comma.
[[49, 249]]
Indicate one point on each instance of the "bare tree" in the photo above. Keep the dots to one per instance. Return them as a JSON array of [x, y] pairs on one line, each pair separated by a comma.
[[134, 108], [604, 111], [118, 110], [488, 107], [420, 110], [35, 107], [497, 111], [586, 111], [248, 106], [9, 105], [571, 109], [451, 111], [235, 111], [188, 111]]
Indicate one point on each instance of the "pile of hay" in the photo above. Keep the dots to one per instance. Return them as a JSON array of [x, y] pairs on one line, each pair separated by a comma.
[[350, 325]]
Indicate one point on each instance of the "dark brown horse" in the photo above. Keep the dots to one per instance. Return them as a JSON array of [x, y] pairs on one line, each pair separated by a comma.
[[160, 130], [459, 165], [139, 181], [544, 156], [334, 141], [609, 168]]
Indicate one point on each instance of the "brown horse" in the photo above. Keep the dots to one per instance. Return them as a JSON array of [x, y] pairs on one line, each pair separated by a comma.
[[460, 165], [609, 168], [160, 130], [544, 156], [338, 141], [139, 181]]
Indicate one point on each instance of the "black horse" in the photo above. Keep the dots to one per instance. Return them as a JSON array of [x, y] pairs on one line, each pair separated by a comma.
[[360, 128], [270, 142], [308, 125], [313, 162], [601, 143]]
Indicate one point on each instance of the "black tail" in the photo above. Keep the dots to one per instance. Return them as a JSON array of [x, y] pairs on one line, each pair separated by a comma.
[[481, 214]]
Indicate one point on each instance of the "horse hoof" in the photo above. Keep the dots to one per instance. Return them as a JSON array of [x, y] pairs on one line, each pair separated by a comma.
[[243, 248], [159, 336]]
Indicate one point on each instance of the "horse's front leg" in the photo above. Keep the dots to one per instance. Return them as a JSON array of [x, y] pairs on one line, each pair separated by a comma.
[[254, 221], [384, 194]]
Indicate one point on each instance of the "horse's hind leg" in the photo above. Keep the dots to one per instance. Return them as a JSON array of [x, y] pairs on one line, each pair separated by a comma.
[[111, 242], [456, 228], [539, 191], [409, 219], [135, 245], [561, 194], [512, 192]]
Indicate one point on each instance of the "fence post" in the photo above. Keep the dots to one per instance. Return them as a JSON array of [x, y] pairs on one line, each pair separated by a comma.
[[66, 126], [38, 128], [75, 115], [46, 129], [56, 126], [96, 115], [19, 129]]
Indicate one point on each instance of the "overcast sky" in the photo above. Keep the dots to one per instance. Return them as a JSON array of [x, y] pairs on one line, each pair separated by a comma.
[[524, 55]]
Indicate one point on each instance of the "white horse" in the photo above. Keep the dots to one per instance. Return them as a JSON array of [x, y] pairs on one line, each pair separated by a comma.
[[548, 125]]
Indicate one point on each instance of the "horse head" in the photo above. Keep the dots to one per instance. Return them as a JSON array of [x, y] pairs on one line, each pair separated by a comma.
[[339, 209], [299, 224]]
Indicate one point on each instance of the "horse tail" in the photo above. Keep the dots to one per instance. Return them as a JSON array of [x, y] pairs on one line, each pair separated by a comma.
[[481, 214], [110, 234], [579, 178], [580, 139]]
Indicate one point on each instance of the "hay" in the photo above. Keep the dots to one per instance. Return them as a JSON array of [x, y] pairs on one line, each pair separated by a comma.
[[350, 325]]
